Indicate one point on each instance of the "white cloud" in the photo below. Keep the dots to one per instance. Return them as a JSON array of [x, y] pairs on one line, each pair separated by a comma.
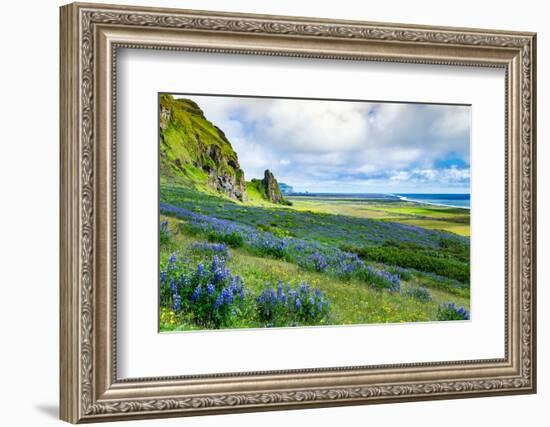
[[453, 121], [449, 176], [311, 143]]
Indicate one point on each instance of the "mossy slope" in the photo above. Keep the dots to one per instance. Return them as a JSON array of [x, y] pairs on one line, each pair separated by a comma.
[[196, 153]]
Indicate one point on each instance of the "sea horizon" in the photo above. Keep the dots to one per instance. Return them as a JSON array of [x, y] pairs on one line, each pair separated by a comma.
[[454, 200]]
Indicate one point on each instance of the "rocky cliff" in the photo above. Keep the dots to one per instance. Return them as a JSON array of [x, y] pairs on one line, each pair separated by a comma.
[[268, 189], [272, 190], [195, 152]]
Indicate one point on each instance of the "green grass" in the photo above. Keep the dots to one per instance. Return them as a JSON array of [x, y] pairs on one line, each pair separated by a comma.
[[442, 225], [256, 194], [352, 302], [454, 220], [410, 208], [440, 262]]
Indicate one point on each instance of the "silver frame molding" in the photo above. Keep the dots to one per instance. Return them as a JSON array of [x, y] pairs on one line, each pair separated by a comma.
[[90, 37]]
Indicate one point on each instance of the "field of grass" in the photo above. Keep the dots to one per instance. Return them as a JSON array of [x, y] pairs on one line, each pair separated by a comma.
[[227, 264], [442, 218]]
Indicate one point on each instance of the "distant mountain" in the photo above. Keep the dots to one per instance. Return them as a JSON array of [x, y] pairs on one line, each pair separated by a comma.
[[196, 153], [285, 188]]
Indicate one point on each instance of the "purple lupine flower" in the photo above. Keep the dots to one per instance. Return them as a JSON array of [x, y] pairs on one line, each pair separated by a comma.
[[239, 282], [217, 263], [215, 248], [210, 288], [219, 301], [186, 281], [196, 293], [200, 270], [227, 296], [451, 312], [279, 290], [177, 302], [173, 285]]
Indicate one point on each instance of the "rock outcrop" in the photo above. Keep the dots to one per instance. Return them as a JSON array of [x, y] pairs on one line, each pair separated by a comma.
[[271, 188], [267, 189]]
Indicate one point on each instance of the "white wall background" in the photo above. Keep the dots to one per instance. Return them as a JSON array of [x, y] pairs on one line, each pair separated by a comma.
[[29, 171]]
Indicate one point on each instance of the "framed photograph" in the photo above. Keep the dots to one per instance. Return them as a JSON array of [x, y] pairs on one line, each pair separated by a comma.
[[266, 212]]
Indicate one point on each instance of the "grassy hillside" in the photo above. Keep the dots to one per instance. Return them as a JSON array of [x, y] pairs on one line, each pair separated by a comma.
[[256, 193], [194, 152]]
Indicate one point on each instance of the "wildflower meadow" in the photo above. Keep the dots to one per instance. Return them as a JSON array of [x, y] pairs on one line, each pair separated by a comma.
[[259, 270]]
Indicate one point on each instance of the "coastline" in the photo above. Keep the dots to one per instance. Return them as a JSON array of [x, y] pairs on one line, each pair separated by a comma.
[[423, 202]]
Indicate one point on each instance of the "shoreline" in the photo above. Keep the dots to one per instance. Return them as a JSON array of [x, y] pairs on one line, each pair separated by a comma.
[[421, 202]]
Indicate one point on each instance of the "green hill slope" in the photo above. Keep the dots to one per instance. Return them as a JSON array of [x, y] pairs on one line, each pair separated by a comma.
[[196, 153]]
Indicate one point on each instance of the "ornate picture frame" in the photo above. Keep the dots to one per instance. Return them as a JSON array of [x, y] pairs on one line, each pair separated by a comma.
[[90, 37]]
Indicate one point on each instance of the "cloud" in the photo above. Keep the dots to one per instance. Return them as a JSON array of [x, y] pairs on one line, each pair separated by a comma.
[[317, 145], [451, 176]]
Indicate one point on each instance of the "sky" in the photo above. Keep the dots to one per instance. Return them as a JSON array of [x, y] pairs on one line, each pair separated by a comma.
[[347, 146]]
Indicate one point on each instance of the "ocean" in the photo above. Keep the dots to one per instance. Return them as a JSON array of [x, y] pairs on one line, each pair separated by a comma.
[[452, 200]]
